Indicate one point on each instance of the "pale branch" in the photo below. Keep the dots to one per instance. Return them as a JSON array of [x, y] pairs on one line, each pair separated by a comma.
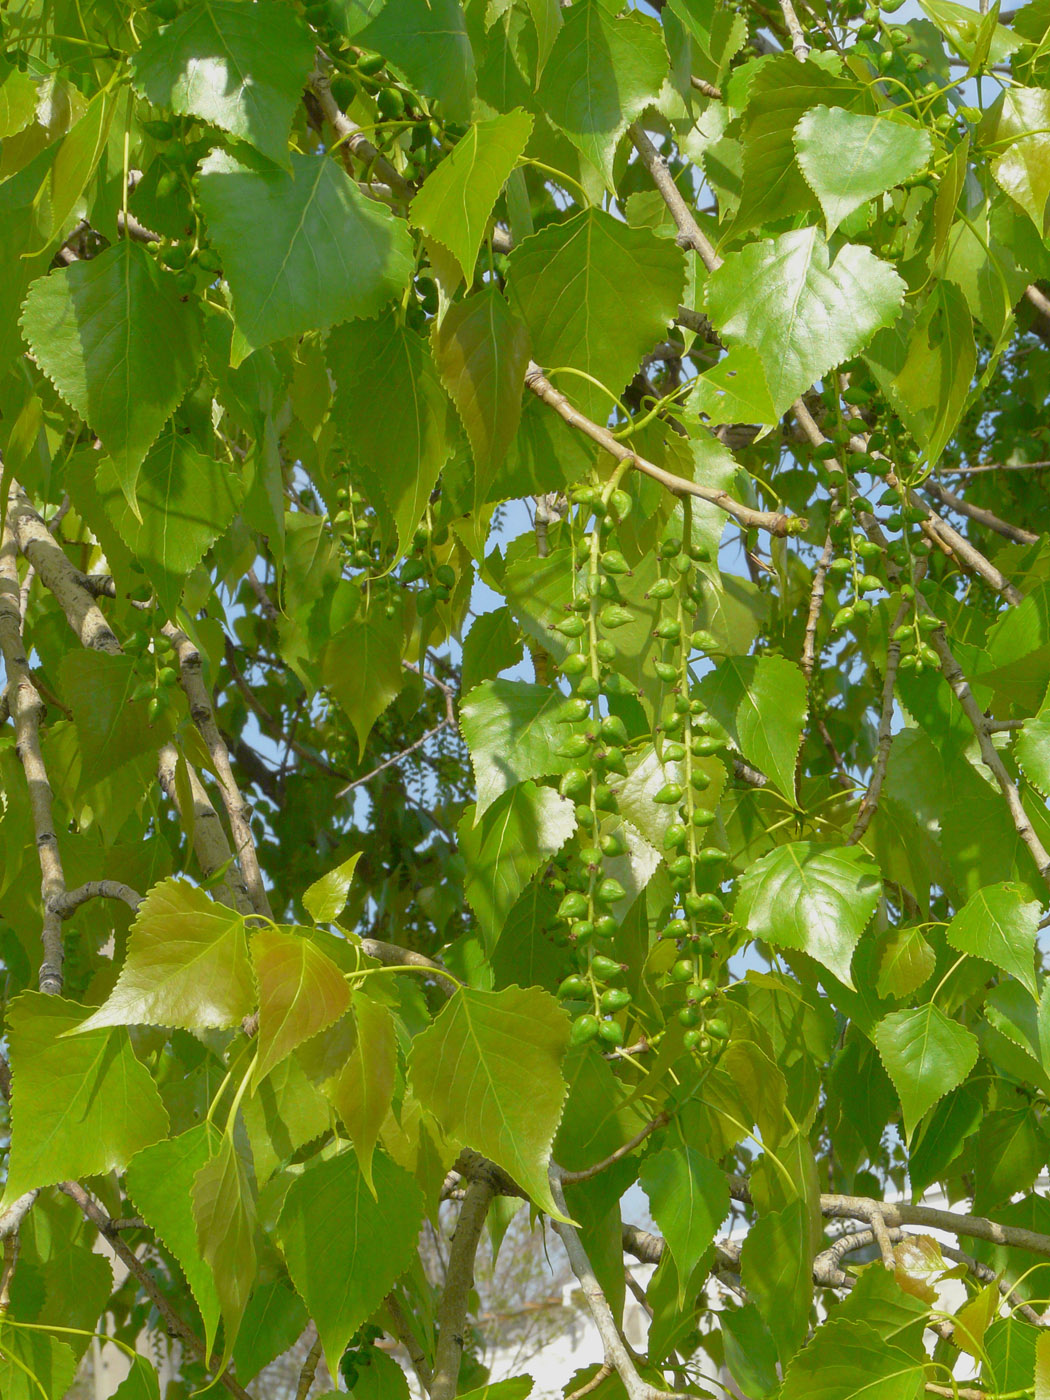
[[979, 514], [882, 1238], [16, 1212], [799, 47], [984, 1274], [390, 955], [176, 1326], [266, 603], [72, 900], [898, 1213], [238, 812], [603, 1373], [351, 137], [816, 602], [624, 1151], [953, 674], [708, 89], [775, 522], [690, 234], [209, 839], [309, 1369], [455, 1296], [28, 710], [870, 800], [997, 467], [12, 1248], [617, 1355]]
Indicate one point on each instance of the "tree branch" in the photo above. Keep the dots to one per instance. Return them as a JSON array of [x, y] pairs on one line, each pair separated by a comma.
[[775, 522], [620, 1153], [455, 1297], [71, 901], [979, 514], [870, 800], [209, 840], [28, 709]]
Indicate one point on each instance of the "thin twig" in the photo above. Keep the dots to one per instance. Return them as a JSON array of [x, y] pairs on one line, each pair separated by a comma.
[[603, 1373], [799, 47], [71, 901], [870, 800], [309, 1370], [620, 1153], [882, 1238], [690, 234], [979, 514], [455, 1297]]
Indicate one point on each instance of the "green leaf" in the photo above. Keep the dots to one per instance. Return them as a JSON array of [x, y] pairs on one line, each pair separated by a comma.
[[301, 991], [80, 1106], [849, 157], [302, 249], [761, 702], [779, 94], [603, 71], [240, 69], [344, 1247], [1019, 127], [363, 1090], [734, 390], [1032, 746], [850, 1361], [224, 1211], [18, 98], [481, 350], [813, 313], [456, 199], [428, 41], [33, 1365], [689, 1199], [185, 501], [813, 897], [926, 1054], [514, 1388], [775, 1270], [513, 732], [509, 1104], [999, 923], [402, 439], [141, 1383], [518, 834], [325, 899], [115, 338], [595, 295], [1010, 1151], [1042, 1367], [273, 1321], [925, 368], [112, 728], [187, 965], [76, 162], [361, 665], [284, 1113], [160, 1184], [379, 1377], [906, 962]]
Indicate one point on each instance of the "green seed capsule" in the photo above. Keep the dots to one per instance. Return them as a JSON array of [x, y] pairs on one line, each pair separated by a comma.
[[605, 650], [590, 855], [688, 1015], [611, 1032], [575, 746], [615, 999], [683, 970], [574, 665], [681, 867], [669, 795], [584, 1029], [156, 706], [584, 817], [166, 675], [574, 986], [603, 797], [702, 817], [706, 988], [589, 687], [142, 691], [609, 891], [699, 781], [573, 905], [605, 926], [673, 753], [605, 969], [571, 627], [843, 617], [574, 709], [582, 931], [614, 731], [665, 671], [717, 1029], [670, 629], [613, 844], [613, 761], [707, 744], [574, 783], [709, 907], [662, 588], [711, 855], [613, 562], [703, 640], [675, 836], [614, 616]]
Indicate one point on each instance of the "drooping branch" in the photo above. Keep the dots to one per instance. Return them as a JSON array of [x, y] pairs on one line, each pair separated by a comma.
[[238, 811], [459, 1280], [27, 708], [775, 522]]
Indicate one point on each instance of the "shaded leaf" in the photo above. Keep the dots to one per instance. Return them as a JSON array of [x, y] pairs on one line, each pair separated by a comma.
[[363, 1090], [114, 336], [240, 69], [513, 732], [273, 1321], [224, 1211], [428, 40], [689, 1199], [302, 249], [850, 1361], [761, 702], [361, 665], [344, 1247], [112, 728]]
